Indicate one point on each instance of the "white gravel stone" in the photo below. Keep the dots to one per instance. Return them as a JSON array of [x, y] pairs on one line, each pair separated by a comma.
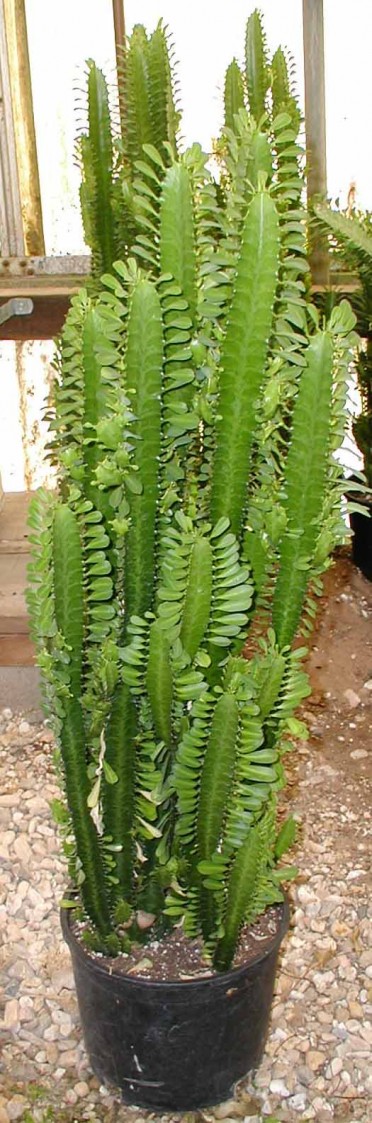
[[279, 1088], [22, 849], [16, 1107], [81, 1089], [26, 1008], [24, 727], [70, 1097], [11, 1014], [352, 698], [334, 1067], [50, 1033], [298, 1101], [62, 980]]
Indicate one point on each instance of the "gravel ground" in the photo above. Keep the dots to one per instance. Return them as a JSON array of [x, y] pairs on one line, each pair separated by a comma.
[[316, 1064]]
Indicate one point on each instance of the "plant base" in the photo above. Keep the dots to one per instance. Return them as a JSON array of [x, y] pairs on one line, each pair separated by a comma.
[[175, 1046]]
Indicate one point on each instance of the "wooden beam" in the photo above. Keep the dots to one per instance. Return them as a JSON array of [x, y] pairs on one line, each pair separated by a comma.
[[57, 276], [315, 124], [45, 321], [24, 126], [49, 282]]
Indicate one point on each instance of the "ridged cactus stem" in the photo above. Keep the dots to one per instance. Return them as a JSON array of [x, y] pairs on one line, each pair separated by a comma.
[[243, 359], [144, 359], [256, 65], [96, 192], [138, 121], [119, 798], [177, 232], [305, 481], [242, 883], [94, 409], [215, 789], [163, 115], [69, 607], [234, 93]]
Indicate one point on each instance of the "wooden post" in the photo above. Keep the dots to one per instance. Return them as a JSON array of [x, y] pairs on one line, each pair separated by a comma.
[[315, 124], [120, 39], [24, 127], [11, 228]]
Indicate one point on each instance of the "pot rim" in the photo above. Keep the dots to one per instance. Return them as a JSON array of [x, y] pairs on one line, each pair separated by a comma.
[[217, 979]]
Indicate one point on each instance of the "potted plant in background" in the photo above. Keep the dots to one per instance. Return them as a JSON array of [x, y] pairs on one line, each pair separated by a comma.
[[354, 239], [197, 405]]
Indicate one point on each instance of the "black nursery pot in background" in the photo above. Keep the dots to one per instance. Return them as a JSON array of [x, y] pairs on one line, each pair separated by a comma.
[[361, 526], [175, 1046]]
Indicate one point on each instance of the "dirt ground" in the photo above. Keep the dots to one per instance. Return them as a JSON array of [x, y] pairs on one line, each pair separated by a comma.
[[339, 711]]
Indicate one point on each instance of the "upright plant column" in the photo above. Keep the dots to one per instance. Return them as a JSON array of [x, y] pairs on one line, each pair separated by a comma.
[[243, 359], [69, 610], [144, 359], [305, 480]]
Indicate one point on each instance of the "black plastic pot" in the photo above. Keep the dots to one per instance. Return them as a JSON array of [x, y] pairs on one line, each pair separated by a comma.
[[361, 526], [175, 1046]]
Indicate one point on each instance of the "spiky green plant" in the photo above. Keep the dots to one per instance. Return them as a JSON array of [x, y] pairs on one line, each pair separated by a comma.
[[142, 597], [112, 144], [264, 146], [353, 235]]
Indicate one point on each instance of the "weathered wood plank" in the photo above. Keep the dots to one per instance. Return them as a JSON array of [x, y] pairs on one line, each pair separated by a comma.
[[119, 31], [11, 227], [46, 319], [24, 126], [13, 518], [17, 651], [14, 558], [315, 124]]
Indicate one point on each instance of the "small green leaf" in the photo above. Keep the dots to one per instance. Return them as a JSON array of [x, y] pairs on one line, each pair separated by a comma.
[[286, 836], [93, 796], [133, 482], [284, 873], [109, 773], [297, 728]]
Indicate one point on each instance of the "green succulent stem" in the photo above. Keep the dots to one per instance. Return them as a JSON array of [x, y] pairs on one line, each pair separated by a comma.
[[243, 359], [243, 878], [256, 65], [177, 234], [144, 364], [233, 94], [159, 682], [305, 483], [119, 798], [97, 155], [68, 598]]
